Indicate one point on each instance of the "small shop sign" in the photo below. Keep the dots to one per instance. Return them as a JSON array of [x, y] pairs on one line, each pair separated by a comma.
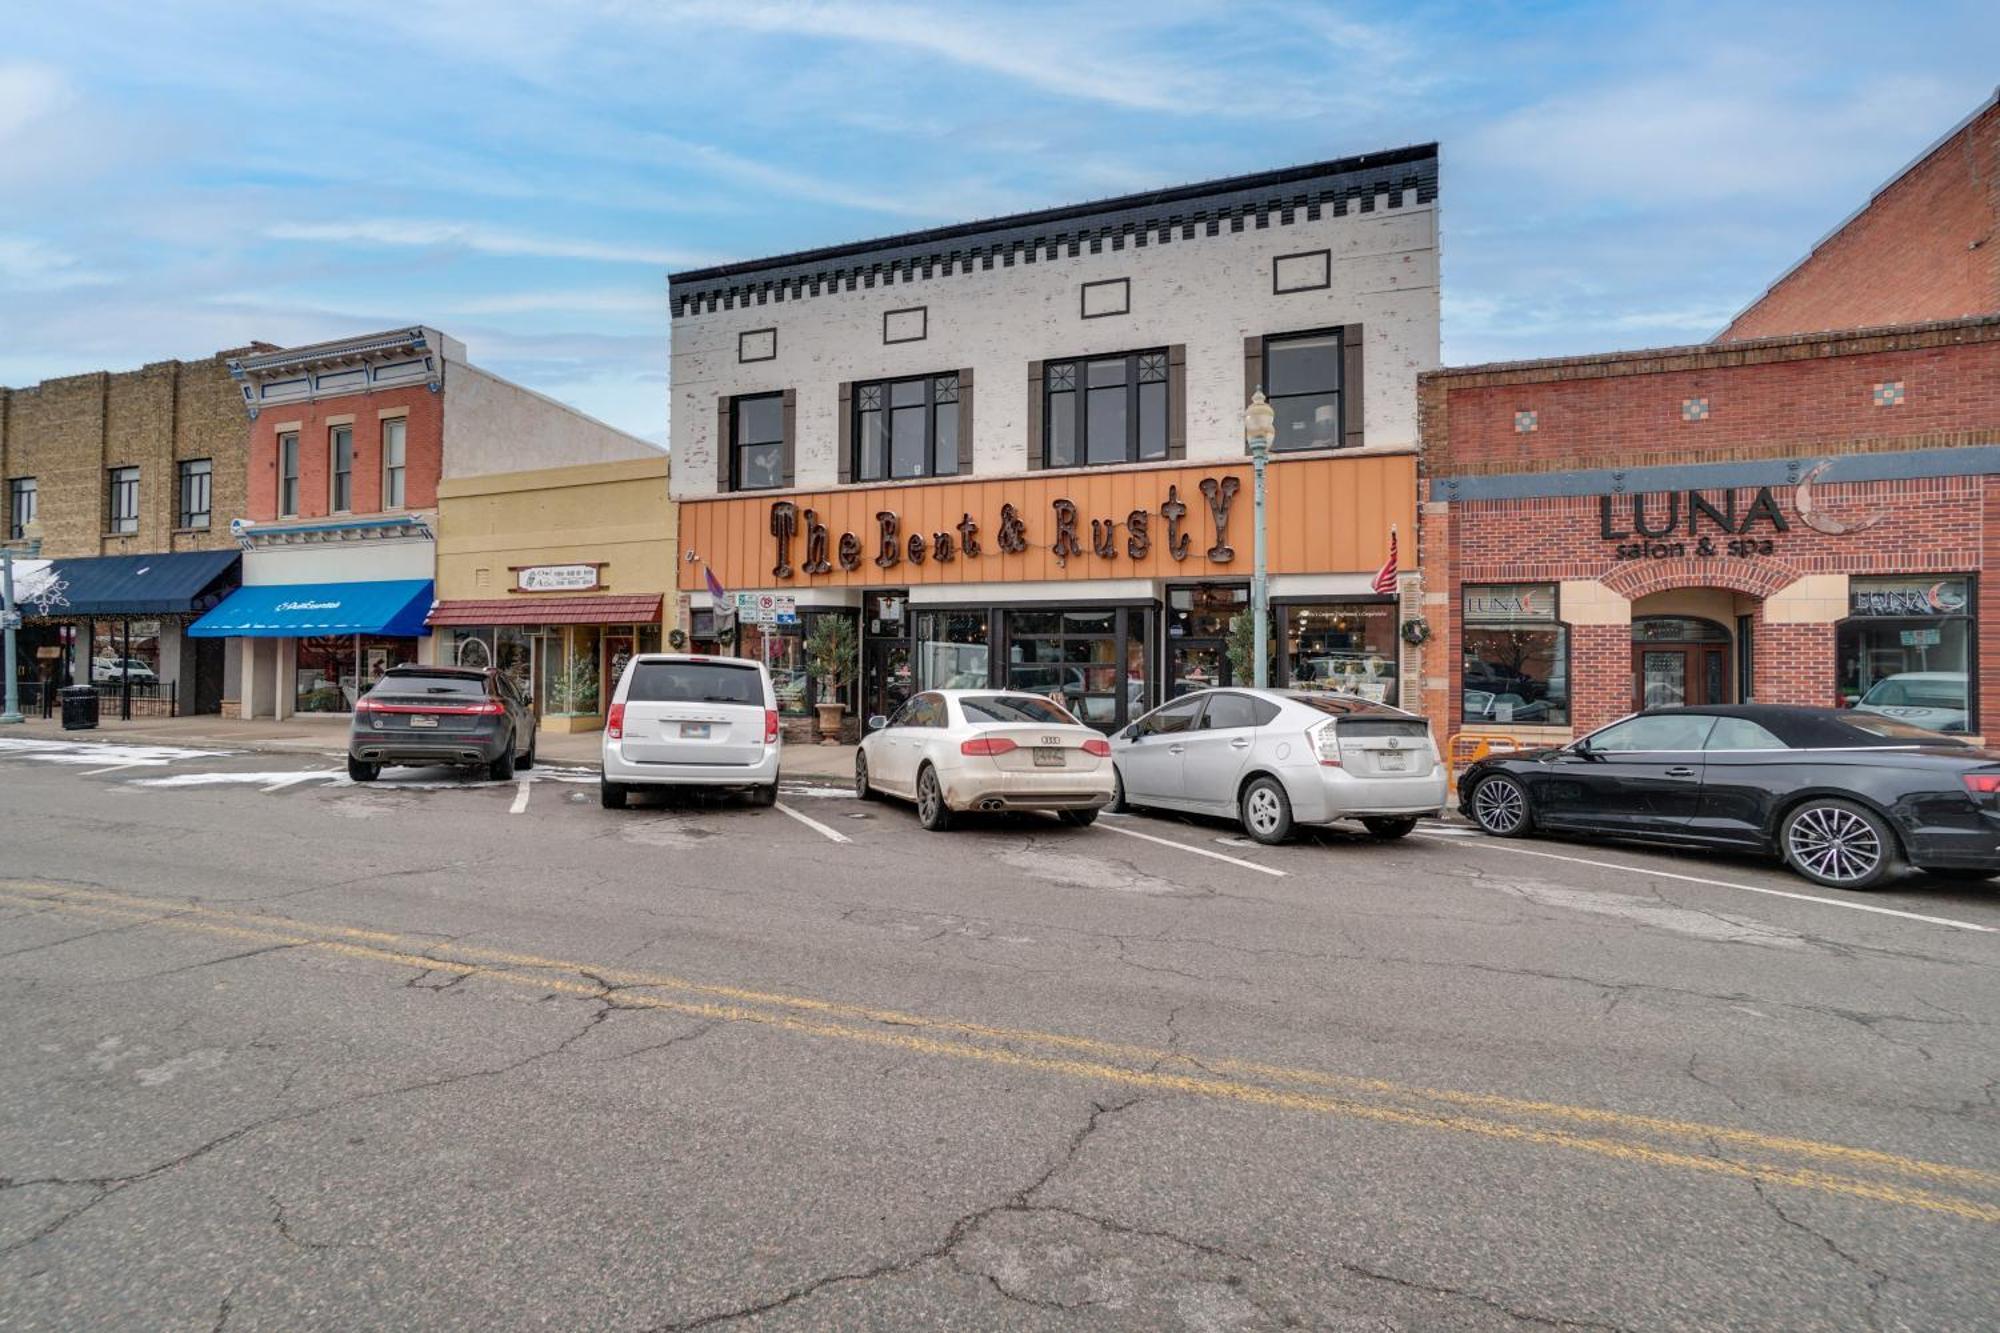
[[1909, 597], [1511, 604], [585, 577]]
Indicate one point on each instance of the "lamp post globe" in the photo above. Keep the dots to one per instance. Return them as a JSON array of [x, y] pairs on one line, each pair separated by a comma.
[[1259, 430]]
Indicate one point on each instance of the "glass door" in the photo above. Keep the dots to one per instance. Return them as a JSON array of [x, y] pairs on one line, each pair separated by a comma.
[[1197, 664]]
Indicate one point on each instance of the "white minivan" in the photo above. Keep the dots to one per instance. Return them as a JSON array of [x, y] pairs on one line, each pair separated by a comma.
[[681, 720]]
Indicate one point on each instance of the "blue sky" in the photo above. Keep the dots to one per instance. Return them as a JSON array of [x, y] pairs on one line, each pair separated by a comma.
[[176, 178]]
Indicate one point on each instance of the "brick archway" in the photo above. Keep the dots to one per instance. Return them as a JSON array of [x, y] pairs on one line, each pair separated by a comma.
[[1760, 579]]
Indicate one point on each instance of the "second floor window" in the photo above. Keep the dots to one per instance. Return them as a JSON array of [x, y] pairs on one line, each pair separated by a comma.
[[1105, 409], [906, 428], [288, 475], [757, 442], [197, 480], [395, 434], [341, 446], [20, 507], [124, 499], [1302, 382]]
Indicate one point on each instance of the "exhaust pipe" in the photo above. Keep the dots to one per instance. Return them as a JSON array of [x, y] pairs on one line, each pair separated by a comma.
[[991, 804]]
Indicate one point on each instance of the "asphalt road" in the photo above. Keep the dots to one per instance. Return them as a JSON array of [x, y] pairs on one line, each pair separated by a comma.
[[286, 1052]]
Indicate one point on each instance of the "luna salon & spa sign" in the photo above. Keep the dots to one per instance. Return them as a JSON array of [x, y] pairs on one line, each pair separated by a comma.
[[803, 544], [1674, 525]]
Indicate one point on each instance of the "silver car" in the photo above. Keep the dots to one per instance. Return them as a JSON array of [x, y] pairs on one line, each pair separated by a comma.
[[1276, 758]]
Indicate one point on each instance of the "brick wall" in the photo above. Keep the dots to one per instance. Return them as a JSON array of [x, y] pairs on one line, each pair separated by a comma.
[[1923, 248], [67, 433], [423, 451]]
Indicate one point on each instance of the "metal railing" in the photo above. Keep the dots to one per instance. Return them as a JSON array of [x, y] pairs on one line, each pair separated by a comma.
[[1464, 749]]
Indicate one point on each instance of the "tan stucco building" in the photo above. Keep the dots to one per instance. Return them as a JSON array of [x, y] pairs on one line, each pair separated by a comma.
[[557, 576]]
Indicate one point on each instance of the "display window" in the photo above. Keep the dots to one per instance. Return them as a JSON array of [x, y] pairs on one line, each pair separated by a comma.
[[1082, 659], [1515, 659], [1907, 650], [329, 673], [125, 652], [952, 650], [781, 648], [1346, 647]]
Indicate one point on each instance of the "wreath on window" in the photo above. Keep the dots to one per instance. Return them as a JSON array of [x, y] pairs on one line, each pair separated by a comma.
[[677, 638], [1416, 632]]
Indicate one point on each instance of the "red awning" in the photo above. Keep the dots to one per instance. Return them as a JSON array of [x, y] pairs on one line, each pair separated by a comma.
[[527, 609]]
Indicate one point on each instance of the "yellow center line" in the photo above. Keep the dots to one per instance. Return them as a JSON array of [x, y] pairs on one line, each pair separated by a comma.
[[182, 916]]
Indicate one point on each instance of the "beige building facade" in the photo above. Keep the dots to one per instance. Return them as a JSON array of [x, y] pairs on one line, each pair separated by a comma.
[[557, 576]]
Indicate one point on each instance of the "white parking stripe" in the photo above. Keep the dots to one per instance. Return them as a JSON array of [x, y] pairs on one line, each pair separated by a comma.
[[1492, 845], [815, 825], [521, 797], [1198, 851]]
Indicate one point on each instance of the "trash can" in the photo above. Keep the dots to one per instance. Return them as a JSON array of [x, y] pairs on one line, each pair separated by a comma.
[[79, 708]]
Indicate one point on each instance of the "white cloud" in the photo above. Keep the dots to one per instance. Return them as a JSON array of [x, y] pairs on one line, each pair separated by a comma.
[[481, 238], [27, 264], [29, 93]]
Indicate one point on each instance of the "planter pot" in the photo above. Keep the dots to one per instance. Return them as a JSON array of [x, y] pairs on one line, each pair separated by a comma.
[[829, 722]]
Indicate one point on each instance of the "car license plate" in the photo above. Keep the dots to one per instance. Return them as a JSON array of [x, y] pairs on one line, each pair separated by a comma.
[[423, 720], [694, 731], [1392, 761], [1049, 756]]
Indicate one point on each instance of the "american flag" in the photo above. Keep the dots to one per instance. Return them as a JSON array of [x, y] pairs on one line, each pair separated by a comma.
[[1385, 577]]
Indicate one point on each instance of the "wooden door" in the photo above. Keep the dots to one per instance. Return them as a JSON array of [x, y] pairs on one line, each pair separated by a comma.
[[1670, 675]]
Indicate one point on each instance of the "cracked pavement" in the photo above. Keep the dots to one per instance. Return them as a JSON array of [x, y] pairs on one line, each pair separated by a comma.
[[275, 1066]]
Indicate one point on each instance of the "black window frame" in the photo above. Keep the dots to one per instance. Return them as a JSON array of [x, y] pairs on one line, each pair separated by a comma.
[[1338, 333], [337, 476], [1974, 626], [1566, 642], [737, 445], [191, 485], [122, 502], [933, 406], [21, 516], [1078, 389]]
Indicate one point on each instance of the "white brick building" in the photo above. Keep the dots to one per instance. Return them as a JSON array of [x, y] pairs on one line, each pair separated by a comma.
[[1091, 356]]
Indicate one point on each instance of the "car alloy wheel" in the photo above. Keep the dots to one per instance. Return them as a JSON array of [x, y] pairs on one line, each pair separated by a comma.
[[1836, 844], [1500, 806], [1266, 812], [861, 787], [932, 812]]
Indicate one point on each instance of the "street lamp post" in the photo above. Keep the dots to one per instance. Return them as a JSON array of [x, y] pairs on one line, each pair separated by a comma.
[[10, 620], [1259, 429]]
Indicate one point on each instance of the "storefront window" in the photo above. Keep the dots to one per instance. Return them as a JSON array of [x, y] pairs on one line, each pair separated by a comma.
[[1516, 656], [326, 675], [1081, 659], [472, 648], [1348, 647], [1205, 610], [952, 651], [782, 649], [1906, 651], [379, 654], [125, 651], [514, 654]]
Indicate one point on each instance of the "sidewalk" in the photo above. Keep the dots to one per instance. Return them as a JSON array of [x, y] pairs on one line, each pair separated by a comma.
[[327, 735]]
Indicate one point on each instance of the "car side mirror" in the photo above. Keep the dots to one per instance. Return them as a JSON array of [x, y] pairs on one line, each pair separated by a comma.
[[1130, 733], [1583, 751], [877, 721]]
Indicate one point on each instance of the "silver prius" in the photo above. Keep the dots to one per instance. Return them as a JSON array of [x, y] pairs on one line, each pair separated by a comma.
[[1275, 758]]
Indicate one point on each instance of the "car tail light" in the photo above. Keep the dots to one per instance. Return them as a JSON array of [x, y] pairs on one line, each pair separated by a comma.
[[987, 745], [1097, 746], [614, 722], [365, 705], [1326, 744], [491, 708], [770, 726], [1983, 784]]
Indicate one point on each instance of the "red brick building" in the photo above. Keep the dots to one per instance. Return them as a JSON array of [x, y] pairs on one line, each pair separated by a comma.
[[1806, 510], [1805, 519], [1926, 246]]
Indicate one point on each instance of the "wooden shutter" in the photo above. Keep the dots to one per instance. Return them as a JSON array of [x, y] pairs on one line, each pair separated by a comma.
[[1034, 416], [722, 443], [791, 450], [965, 422], [846, 432], [1177, 401], [1350, 385]]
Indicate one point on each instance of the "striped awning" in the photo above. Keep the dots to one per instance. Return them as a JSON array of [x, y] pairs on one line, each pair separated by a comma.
[[528, 609]]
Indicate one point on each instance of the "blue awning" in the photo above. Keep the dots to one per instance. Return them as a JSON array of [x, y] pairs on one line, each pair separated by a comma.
[[307, 610], [140, 585]]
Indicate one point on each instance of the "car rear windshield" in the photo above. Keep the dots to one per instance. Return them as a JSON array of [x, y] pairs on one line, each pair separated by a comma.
[[400, 682], [1375, 724], [1340, 705], [695, 682], [1014, 708]]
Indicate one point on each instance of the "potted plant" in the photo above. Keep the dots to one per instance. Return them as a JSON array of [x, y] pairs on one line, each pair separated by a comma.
[[831, 651]]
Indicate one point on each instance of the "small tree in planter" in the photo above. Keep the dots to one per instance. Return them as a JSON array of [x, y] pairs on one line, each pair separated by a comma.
[[1242, 648], [830, 653]]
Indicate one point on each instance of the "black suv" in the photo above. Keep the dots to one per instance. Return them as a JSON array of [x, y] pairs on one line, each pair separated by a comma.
[[423, 715]]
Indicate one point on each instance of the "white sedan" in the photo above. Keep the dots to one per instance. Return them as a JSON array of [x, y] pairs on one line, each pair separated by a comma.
[[956, 750]]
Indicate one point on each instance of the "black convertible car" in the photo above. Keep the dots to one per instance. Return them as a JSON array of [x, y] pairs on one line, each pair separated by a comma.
[[1846, 798]]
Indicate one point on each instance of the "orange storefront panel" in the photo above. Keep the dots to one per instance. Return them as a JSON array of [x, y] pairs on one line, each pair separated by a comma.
[[1324, 515]]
